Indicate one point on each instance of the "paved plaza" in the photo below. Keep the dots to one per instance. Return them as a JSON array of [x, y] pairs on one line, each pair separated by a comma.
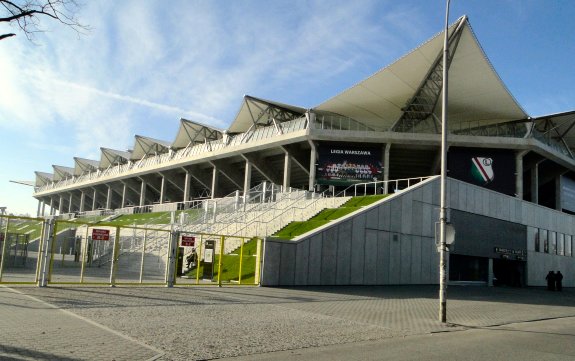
[[196, 323]]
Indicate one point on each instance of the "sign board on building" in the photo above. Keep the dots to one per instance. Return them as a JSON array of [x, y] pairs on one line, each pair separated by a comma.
[[100, 234], [348, 163], [188, 241], [489, 168]]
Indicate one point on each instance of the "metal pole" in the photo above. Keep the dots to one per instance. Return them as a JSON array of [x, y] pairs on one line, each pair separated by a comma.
[[442, 211]]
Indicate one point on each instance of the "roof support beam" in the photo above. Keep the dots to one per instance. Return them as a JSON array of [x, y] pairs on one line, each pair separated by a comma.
[[421, 107], [261, 167], [295, 157], [228, 172]]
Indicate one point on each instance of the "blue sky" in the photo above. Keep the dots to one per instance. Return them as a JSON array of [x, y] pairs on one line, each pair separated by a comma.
[[144, 65]]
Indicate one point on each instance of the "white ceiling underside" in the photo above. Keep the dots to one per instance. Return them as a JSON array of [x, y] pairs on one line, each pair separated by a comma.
[[476, 93]]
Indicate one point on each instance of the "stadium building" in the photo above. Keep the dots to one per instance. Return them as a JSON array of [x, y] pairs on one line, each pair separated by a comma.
[[511, 185]]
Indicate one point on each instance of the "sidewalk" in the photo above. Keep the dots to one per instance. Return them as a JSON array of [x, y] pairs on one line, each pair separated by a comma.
[[101, 323]]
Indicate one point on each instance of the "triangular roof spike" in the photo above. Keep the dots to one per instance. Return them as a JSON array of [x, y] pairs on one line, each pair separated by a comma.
[[249, 116], [475, 88], [557, 126], [43, 178], [62, 172], [145, 145], [191, 132], [82, 165], [112, 156]]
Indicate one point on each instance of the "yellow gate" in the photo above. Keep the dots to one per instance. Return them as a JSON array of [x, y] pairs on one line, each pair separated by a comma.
[[50, 251], [104, 253], [207, 259], [20, 245]]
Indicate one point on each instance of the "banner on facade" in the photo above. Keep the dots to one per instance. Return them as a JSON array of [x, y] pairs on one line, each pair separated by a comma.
[[348, 163], [489, 168]]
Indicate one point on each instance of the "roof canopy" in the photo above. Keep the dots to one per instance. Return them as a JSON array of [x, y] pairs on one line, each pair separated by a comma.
[[43, 178], [61, 172], [82, 165], [191, 133], [560, 127], [144, 146], [476, 93], [256, 112], [111, 157]]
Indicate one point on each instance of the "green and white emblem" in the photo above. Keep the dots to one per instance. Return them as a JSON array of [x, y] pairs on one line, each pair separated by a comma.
[[481, 170]]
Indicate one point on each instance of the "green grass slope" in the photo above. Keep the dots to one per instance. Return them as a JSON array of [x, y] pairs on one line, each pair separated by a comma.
[[295, 229]]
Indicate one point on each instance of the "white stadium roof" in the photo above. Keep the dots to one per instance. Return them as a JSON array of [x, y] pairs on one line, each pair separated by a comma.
[[112, 157], [191, 133], [252, 113], [476, 93], [61, 172], [82, 165], [144, 146]]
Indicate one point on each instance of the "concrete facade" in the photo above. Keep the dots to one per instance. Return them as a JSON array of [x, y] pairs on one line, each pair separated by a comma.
[[392, 241]]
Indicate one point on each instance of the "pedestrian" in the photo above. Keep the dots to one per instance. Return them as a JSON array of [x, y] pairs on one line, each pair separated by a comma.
[[559, 281], [550, 281]]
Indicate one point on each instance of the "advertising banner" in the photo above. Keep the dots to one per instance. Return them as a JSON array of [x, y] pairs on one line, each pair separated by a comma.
[[490, 168], [348, 163]]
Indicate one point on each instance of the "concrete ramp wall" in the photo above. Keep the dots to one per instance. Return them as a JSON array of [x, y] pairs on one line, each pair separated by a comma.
[[392, 241], [389, 242]]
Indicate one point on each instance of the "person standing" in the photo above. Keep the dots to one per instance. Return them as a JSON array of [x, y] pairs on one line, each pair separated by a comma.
[[550, 281], [559, 281]]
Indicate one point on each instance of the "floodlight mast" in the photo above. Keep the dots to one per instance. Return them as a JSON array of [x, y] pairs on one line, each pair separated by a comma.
[[443, 201]]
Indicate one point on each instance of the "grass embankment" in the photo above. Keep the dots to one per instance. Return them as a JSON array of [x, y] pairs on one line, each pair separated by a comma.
[[231, 265], [149, 218], [295, 229], [31, 228]]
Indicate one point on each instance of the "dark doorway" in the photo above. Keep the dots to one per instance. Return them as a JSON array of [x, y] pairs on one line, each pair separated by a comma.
[[467, 268], [508, 273]]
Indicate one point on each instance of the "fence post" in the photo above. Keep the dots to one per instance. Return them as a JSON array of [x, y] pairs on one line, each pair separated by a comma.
[[257, 275], [171, 265], [4, 247], [222, 239], [241, 259], [46, 246], [84, 253], [199, 260], [115, 257]]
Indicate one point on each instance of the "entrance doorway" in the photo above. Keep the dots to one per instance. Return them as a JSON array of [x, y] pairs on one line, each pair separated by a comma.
[[508, 273]]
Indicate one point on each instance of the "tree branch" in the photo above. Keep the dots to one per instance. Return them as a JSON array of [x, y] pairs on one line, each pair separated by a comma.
[[4, 36]]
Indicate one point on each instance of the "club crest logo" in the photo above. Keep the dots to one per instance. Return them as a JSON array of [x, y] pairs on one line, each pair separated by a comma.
[[482, 170]]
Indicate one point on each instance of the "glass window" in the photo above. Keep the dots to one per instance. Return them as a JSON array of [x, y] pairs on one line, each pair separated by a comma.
[[544, 240], [560, 244], [552, 243], [568, 245], [537, 241]]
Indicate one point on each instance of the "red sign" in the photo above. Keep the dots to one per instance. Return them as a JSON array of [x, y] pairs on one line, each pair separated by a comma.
[[188, 241], [100, 234]]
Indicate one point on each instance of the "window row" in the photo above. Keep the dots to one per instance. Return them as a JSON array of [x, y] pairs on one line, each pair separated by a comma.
[[553, 243]]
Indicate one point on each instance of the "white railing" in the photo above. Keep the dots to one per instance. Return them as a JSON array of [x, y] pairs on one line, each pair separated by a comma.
[[148, 161], [379, 187]]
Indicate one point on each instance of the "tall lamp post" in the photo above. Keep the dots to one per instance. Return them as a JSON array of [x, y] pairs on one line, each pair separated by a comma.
[[443, 202]]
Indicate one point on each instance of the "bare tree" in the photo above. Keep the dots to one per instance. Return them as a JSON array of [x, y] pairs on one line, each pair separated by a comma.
[[26, 15]]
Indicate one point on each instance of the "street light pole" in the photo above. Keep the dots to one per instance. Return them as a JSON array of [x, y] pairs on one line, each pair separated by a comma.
[[443, 205]]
